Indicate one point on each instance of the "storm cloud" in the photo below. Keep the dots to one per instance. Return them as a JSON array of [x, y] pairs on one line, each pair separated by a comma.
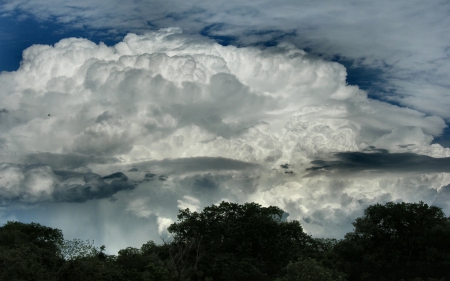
[[197, 164], [39, 183], [354, 162], [169, 120]]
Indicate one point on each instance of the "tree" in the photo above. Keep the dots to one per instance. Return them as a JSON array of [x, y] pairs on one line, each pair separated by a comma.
[[184, 256], [310, 270], [142, 264], [397, 241], [29, 251], [224, 240], [97, 268], [77, 248], [88, 263]]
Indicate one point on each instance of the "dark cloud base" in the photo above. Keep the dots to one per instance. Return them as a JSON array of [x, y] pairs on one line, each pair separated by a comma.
[[71, 160], [95, 187], [196, 164], [62, 185], [380, 161], [77, 187]]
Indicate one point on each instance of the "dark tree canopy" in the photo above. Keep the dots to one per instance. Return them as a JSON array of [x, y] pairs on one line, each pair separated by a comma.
[[29, 251], [394, 241], [240, 242], [310, 270], [397, 241]]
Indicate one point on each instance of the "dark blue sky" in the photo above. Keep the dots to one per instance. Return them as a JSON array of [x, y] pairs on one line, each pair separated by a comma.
[[17, 35]]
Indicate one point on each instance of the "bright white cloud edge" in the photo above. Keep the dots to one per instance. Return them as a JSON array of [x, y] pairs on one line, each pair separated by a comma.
[[406, 40]]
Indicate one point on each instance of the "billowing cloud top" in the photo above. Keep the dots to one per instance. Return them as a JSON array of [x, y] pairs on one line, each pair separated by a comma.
[[166, 120], [405, 41]]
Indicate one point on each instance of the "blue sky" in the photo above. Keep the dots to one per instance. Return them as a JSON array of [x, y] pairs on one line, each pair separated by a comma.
[[19, 34], [125, 132]]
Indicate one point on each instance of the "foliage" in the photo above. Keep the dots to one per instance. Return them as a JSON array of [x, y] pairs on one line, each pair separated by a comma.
[[29, 251], [142, 264], [310, 270], [100, 267], [221, 239], [77, 248], [397, 241]]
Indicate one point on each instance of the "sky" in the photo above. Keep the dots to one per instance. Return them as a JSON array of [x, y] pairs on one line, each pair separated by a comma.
[[116, 114]]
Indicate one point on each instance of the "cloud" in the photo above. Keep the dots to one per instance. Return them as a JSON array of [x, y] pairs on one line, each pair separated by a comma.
[[406, 41], [194, 164], [189, 202], [168, 120], [65, 161], [443, 199], [40, 183], [354, 162], [94, 187]]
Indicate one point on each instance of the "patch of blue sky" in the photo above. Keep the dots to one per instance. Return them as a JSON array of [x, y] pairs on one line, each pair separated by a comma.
[[373, 82], [19, 31], [444, 139], [210, 32], [366, 78]]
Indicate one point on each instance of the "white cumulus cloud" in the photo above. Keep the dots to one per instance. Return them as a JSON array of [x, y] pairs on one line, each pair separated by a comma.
[[166, 120]]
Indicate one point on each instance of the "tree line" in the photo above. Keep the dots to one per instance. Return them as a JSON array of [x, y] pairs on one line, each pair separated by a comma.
[[394, 241]]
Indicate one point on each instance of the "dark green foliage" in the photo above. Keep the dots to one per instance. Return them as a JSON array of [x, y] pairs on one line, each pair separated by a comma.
[[76, 249], [29, 251], [310, 270], [223, 239], [397, 241], [131, 265], [142, 264], [101, 267]]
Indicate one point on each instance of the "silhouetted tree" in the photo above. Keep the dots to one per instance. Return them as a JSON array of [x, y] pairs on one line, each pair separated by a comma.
[[29, 251], [142, 264], [397, 241], [232, 237], [310, 270]]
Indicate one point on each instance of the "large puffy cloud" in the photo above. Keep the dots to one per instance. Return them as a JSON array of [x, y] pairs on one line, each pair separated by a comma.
[[166, 120], [406, 42]]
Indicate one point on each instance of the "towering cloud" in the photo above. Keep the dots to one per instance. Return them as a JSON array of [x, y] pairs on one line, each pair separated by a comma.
[[405, 43], [165, 120]]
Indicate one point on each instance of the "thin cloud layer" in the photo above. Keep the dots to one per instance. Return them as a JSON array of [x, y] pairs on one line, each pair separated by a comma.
[[167, 120]]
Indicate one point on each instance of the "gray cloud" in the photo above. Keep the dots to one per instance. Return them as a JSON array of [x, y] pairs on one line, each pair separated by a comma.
[[94, 187], [195, 164], [66, 161], [380, 162], [40, 183]]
